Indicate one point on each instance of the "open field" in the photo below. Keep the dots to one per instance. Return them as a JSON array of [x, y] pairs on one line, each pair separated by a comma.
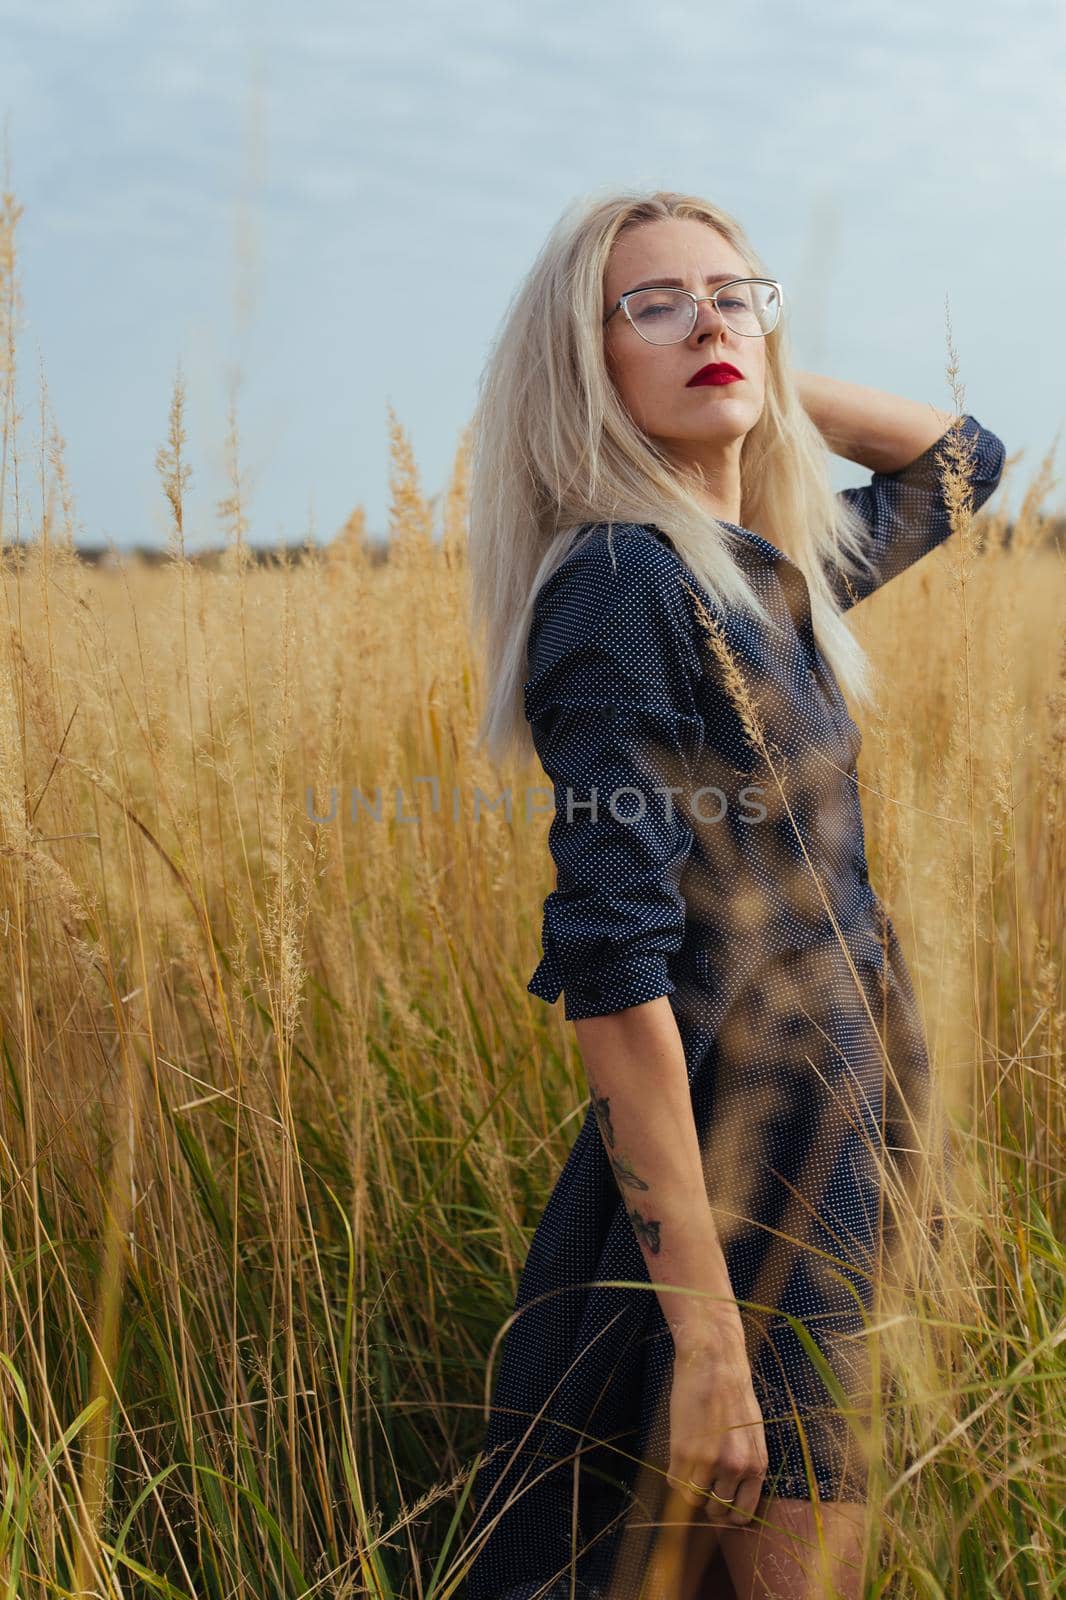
[[279, 1115]]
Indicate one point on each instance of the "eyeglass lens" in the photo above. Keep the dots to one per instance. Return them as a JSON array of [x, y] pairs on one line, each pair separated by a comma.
[[663, 316]]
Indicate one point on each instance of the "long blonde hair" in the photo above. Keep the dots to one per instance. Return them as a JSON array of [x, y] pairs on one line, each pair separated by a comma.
[[554, 449]]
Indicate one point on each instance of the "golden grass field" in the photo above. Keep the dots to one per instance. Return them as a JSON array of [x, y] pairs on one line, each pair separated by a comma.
[[279, 1115]]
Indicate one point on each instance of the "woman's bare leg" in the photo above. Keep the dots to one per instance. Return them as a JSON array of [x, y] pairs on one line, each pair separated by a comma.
[[779, 1555]]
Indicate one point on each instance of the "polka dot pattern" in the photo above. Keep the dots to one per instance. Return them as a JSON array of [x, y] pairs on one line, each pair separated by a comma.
[[712, 852]]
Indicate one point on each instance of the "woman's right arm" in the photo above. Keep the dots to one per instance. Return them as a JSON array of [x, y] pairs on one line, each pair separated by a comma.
[[636, 1071], [637, 1075], [612, 704]]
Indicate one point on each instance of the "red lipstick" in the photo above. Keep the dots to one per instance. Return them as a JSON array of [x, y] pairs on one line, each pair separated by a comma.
[[717, 372]]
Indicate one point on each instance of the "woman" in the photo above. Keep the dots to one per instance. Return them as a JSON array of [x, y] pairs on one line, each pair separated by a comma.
[[663, 569]]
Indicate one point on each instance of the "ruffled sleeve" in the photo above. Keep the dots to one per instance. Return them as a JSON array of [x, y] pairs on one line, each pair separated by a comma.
[[611, 705], [905, 511]]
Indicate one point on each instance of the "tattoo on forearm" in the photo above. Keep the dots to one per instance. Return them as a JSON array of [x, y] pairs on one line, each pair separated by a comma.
[[646, 1231], [601, 1106], [623, 1171], [623, 1167]]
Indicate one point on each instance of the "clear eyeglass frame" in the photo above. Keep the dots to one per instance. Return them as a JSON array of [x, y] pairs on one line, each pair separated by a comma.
[[622, 305]]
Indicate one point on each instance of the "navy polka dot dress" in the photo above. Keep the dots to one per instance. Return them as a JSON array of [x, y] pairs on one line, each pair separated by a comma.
[[687, 867]]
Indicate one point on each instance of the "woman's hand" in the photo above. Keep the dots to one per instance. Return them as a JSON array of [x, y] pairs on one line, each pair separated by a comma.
[[717, 1440]]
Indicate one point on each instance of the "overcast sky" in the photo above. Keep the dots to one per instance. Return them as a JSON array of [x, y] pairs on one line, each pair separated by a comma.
[[335, 203]]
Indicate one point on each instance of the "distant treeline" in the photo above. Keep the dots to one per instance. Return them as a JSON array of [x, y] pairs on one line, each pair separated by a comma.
[[377, 550], [103, 555]]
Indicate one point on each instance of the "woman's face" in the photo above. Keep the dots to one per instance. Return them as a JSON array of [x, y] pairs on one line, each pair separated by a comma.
[[691, 424]]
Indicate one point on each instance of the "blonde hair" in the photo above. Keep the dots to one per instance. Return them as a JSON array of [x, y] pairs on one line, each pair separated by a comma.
[[554, 449]]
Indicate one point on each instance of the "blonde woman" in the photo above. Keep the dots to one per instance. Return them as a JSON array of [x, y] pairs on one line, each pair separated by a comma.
[[663, 572]]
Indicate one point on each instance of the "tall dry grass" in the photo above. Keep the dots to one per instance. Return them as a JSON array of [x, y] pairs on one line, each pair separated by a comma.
[[279, 1114]]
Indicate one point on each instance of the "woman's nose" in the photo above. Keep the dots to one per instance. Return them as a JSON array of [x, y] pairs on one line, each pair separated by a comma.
[[708, 319]]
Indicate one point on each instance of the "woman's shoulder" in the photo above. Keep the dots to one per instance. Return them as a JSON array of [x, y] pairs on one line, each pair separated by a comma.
[[610, 565], [621, 583]]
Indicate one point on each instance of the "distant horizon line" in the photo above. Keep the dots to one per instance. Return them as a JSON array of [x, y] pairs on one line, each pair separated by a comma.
[[97, 553]]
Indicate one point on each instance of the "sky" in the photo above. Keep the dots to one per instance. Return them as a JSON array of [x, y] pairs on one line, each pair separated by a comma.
[[323, 211]]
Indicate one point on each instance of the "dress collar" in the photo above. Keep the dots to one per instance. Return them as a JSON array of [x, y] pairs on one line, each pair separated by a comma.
[[789, 575], [763, 547]]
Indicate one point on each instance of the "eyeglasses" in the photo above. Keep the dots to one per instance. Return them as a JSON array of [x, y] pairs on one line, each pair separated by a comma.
[[750, 306]]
